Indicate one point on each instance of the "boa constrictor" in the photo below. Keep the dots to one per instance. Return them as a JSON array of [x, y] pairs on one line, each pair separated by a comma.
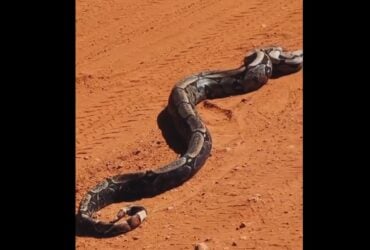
[[259, 65]]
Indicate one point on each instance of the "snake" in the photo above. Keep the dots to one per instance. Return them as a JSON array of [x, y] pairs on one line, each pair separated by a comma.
[[258, 66]]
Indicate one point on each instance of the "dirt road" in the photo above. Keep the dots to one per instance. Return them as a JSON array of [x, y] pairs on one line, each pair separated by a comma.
[[129, 55]]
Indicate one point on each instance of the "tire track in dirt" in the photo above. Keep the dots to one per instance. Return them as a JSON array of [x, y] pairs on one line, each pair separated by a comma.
[[129, 55]]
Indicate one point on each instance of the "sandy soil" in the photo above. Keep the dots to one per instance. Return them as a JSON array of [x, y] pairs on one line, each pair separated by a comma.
[[129, 55]]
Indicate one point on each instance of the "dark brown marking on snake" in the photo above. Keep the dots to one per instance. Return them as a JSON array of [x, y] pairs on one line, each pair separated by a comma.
[[258, 66]]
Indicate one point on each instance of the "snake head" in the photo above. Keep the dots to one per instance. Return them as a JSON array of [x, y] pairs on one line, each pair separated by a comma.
[[285, 62]]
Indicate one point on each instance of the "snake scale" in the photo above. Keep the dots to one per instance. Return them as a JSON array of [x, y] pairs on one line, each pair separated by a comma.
[[259, 65]]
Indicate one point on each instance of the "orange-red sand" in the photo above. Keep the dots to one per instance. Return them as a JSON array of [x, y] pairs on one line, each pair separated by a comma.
[[129, 55]]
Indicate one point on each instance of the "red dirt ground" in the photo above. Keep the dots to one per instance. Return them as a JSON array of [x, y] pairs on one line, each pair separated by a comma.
[[129, 55]]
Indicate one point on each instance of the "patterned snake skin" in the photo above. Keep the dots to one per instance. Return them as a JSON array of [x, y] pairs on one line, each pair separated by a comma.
[[259, 65]]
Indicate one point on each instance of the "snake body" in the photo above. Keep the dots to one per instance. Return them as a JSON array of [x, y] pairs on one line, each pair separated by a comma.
[[259, 65]]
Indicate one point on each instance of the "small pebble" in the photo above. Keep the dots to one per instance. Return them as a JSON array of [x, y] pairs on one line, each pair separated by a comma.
[[236, 168], [201, 246]]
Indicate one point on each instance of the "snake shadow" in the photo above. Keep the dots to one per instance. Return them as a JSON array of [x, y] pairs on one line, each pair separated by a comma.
[[169, 132]]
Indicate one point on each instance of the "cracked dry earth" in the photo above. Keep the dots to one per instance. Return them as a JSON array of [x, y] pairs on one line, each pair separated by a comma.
[[130, 53]]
